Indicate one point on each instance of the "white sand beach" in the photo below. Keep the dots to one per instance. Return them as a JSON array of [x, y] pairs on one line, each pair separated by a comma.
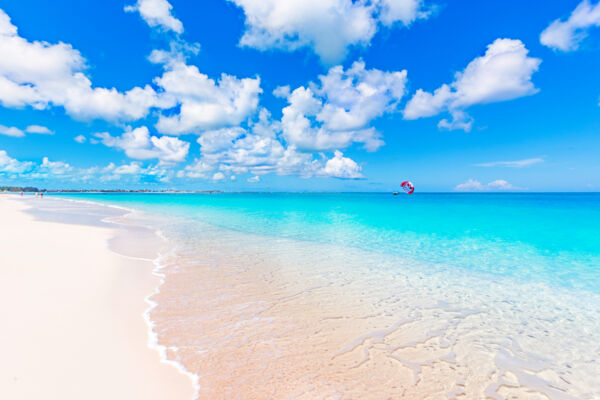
[[256, 317], [71, 313]]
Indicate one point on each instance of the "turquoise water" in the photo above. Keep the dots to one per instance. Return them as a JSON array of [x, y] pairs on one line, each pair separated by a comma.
[[548, 238], [488, 295]]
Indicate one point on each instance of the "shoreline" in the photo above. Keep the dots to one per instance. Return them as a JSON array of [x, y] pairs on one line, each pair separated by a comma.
[[246, 320], [81, 327]]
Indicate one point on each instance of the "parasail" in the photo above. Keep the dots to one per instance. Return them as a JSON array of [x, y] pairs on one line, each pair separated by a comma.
[[408, 187]]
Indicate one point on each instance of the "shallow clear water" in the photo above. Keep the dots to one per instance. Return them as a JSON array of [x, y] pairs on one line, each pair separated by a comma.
[[550, 238], [370, 296]]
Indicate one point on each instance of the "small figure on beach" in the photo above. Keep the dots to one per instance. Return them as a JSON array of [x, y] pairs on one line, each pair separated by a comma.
[[42, 195]]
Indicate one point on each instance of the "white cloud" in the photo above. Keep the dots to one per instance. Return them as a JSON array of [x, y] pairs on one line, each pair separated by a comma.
[[55, 167], [40, 74], [475, 186], [405, 11], [258, 150], [38, 129], [282, 91], [197, 170], [254, 179], [138, 144], [65, 172], [179, 51], [220, 139], [566, 35], [218, 176], [328, 27], [356, 96], [336, 113], [204, 103], [80, 139], [257, 154], [16, 132], [460, 121], [503, 73], [501, 184], [425, 104], [13, 166], [342, 167], [132, 171], [157, 13], [513, 164], [132, 168], [11, 131]]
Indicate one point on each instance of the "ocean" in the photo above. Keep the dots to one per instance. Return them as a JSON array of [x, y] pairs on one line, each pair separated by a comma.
[[369, 295]]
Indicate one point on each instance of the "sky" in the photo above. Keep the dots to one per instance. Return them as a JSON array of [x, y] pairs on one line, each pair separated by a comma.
[[300, 95]]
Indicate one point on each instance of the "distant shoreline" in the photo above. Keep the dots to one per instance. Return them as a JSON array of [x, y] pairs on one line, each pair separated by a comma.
[[4, 189]]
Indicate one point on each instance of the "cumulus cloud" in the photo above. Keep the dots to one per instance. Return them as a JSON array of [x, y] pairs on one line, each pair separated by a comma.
[[16, 132], [475, 186], [179, 51], [140, 145], [203, 102], [80, 139], [157, 14], [328, 27], [199, 169], [38, 129], [258, 150], [27, 170], [218, 176], [503, 73], [39, 74], [11, 131], [404, 11], [342, 167], [55, 167], [133, 171], [13, 166], [512, 164], [567, 35], [235, 136], [337, 112], [132, 168]]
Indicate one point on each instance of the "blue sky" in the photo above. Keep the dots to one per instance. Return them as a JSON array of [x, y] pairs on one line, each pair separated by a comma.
[[301, 94]]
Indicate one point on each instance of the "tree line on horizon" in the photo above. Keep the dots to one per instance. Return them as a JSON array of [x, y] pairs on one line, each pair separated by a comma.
[[20, 189]]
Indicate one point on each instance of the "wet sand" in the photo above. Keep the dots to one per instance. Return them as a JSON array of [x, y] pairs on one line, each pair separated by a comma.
[[71, 313], [257, 317]]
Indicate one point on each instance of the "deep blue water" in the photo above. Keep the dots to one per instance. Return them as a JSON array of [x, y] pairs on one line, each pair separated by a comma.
[[552, 238]]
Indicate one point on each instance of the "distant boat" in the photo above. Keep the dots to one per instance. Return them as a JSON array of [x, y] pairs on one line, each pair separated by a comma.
[[395, 193]]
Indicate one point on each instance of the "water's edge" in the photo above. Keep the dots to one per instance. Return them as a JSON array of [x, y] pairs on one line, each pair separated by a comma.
[[420, 320], [122, 225]]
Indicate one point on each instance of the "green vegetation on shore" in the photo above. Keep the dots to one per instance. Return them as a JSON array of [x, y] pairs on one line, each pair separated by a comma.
[[20, 189]]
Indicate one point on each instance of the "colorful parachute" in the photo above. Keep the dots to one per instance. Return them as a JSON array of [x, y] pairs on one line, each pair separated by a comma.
[[408, 187]]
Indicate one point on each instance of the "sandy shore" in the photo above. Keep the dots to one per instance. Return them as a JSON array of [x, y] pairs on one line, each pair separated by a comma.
[[71, 313]]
